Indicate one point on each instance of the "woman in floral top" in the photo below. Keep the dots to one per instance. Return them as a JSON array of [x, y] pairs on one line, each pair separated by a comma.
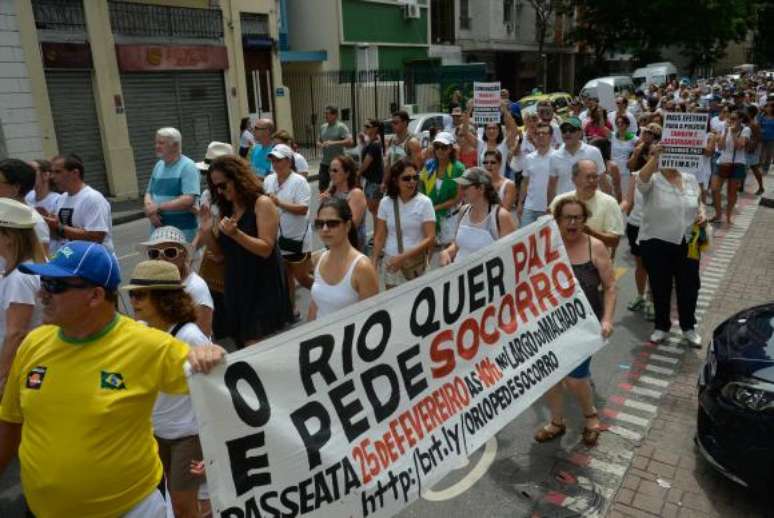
[[436, 180]]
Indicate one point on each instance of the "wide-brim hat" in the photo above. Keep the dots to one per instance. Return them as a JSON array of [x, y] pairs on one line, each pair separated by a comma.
[[167, 234], [154, 275], [474, 176], [14, 214], [214, 150]]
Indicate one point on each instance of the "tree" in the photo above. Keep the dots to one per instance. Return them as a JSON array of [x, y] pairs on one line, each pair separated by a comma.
[[544, 12], [763, 36]]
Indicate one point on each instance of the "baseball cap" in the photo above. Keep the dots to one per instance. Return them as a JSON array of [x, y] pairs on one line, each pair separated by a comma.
[[84, 259], [444, 137], [214, 150], [166, 234], [574, 122], [281, 151], [14, 214], [474, 176]]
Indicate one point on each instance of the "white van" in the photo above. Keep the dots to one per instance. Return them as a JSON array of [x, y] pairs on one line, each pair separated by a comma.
[[619, 83], [640, 78], [661, 73]]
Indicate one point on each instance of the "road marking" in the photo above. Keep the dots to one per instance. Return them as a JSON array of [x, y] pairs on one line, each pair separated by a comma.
[[670, 349], [620, 271], [641, 391], [473, 476], [584, 460], [659, 370], [662, 358], [653, 381], [625, 433], [637, 405], [626, 418]]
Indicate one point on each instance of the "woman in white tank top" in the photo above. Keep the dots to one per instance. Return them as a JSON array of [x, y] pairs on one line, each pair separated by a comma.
[[343, 276], [505, 188], [482, 220]]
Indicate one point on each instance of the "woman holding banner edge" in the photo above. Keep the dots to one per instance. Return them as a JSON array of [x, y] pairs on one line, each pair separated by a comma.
[[593, 269]]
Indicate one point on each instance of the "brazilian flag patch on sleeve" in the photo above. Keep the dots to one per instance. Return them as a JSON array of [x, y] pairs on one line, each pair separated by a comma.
[[111, 381]]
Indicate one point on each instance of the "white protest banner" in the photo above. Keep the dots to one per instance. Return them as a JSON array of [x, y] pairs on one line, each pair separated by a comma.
[[606, 95], [486, 102], [682, 140], [358, 413]]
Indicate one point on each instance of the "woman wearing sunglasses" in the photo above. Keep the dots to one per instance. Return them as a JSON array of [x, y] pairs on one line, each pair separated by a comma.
[[482, 220], [344, 185], [506, 190], [169, 244], [436, 180], [159, 299], [255, 293], [19, 311], [497, 139], [343, 275], [406, 234]]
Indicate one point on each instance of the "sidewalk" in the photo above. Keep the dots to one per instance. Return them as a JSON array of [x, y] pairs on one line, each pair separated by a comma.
[[668, 476]]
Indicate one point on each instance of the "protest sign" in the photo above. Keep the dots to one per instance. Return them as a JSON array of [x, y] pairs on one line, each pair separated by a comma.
[[682, 141], [360, 412], [486, 102], [606, 95]]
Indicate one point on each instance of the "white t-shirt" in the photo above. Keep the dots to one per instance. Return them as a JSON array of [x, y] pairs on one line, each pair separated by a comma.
[[635, 215], [195, 286], [667, 212], [536, 168], [295, 189], [620, 151], [717, 125], [611, 116], [527, 147], [87, 209], [246, 139], [173, 415], [606, 215], [562, 162], [413, 214], [41, 229], [502, 147], [19, 288], [727, 153], [302, 166], [48, 203]]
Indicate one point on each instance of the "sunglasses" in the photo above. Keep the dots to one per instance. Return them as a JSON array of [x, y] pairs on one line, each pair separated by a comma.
[[57, 286], [319, 224], [569, 130], [138, 294], [490, 162], [169, 253], [410, 178], [334, 170]]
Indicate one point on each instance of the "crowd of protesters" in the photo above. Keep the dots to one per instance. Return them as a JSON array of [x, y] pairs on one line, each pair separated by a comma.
[[223, 264]]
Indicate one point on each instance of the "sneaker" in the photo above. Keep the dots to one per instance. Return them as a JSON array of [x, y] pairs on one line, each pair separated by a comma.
[[636, 303], [650, 312], [693, 338], [658, 336]]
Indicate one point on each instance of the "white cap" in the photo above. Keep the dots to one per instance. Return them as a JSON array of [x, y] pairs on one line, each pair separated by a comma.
[[282, 151], [166, 234], [444, 137], [214, 150], [14, 214]]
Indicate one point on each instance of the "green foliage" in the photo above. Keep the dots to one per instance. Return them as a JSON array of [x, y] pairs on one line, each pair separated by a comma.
[[763, 46]]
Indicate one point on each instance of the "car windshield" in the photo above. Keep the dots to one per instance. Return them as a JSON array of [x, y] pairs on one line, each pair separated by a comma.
[[529, 102]]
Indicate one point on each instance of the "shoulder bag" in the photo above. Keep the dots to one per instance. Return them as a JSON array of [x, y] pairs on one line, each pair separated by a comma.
[[412, 267]]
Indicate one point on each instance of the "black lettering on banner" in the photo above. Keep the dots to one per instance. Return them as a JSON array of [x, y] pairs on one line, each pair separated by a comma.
[[411, 374], [476, 288], [382, 319], [448, 314], [495, 269], [245, 470], [430, 325], [382, 409], [346, 350], [321, 365], [241, 371], [313, 441], [348, 411]]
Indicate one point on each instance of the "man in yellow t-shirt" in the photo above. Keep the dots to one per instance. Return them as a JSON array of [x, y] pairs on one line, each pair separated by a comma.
[[79, 397]]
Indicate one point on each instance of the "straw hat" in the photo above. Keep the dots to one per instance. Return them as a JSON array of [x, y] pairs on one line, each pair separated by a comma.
[[154, 275], [14, 214], [214, 150]]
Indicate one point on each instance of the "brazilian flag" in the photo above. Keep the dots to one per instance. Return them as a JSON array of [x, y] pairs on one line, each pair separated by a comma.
[[112, 381]]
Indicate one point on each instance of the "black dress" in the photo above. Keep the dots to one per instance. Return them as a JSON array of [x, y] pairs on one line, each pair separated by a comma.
[[255, 291]]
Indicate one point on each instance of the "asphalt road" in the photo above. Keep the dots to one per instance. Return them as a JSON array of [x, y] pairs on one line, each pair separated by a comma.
[[504, 478]]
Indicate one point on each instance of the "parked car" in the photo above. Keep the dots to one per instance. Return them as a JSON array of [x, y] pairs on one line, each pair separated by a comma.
[[420, 124], [559, 100], [735, 429], [620, 85]]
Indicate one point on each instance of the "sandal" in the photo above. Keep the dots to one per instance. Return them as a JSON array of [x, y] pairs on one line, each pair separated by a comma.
[[545, 435], [591, 435]]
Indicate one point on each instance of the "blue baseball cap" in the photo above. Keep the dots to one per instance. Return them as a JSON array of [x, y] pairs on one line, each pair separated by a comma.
[[86, 260]]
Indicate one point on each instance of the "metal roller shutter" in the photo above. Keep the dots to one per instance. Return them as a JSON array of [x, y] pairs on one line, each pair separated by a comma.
[[193, 102], [75, 122]]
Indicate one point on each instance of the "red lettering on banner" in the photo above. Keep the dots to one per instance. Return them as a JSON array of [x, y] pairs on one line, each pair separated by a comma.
[[489, 338], [543, 292]]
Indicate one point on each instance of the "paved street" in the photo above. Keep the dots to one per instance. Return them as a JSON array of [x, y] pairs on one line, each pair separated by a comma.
[[645, 465]]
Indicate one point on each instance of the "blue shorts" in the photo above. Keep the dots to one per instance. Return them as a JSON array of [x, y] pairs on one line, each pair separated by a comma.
[[582, 371]]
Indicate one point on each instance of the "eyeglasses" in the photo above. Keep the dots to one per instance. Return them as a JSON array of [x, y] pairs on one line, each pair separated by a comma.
[[490, 162], [138, 294], [56, 286], [572, 218], [169, 252], [330, 223], [410, 178], [220, 186]]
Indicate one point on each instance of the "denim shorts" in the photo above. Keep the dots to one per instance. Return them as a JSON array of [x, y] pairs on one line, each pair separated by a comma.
[[373, 190], [582, 371]]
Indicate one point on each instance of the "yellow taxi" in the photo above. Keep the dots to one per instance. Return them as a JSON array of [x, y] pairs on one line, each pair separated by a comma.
[[559, 100]]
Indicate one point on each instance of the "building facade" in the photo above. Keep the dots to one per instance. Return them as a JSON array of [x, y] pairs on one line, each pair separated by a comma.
[[502, 34], [102, 76]]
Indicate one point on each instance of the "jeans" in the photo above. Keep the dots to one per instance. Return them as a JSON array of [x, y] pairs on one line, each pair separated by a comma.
[[529, 216], [667, 262]]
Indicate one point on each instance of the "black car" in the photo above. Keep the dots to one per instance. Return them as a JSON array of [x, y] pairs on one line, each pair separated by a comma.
[[735, 429]]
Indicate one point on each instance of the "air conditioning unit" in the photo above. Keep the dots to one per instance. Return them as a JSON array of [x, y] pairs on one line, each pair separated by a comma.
[[411, 11]]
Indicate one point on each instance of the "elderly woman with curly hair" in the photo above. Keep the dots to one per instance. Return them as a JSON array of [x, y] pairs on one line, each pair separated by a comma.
[[255, 292]]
